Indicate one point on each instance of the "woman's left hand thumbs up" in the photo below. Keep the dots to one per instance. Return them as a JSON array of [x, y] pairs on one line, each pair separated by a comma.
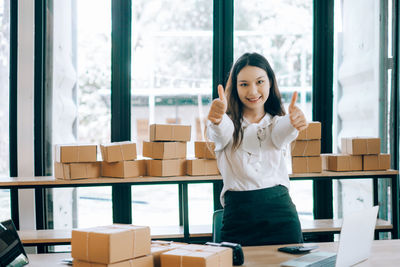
[[297, 118]]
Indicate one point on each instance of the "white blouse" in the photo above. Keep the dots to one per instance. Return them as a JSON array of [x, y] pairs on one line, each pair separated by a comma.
[[259, 161]]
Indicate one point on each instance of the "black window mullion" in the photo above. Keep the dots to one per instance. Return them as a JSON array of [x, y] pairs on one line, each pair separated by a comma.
[[396, 89], [222, 42], [322, 89], [223, 28], [121, 16], [396, 101], [13, 126], [42, 111]]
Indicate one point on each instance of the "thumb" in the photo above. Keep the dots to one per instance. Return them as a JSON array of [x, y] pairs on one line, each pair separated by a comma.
[[293, 102], [221, 93]]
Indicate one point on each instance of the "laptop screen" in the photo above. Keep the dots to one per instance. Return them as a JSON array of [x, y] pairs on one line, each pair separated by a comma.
[[12, 253]]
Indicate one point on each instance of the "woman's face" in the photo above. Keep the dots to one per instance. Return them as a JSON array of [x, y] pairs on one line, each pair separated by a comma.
[[253, 88]]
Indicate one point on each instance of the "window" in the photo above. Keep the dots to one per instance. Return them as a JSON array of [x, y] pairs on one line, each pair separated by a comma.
[[4, 104], [81, 72], [356, 90], [171, 79], [282, 32]]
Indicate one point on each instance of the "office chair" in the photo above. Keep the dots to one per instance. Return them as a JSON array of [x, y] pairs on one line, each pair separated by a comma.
[[217, 225]]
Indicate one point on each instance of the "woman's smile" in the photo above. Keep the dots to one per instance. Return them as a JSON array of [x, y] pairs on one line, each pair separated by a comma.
[[253, 99]]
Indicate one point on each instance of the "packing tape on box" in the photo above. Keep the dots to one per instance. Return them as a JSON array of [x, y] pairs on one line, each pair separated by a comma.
[[352, 159], [304, 152], [122, 152], [366, 144], [172, 132], [88, 236], [77, 153], [306, 133], [307, 165], [87, 246], [86, 170]]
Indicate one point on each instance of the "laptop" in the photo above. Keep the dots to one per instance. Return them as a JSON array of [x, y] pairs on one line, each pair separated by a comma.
[[12, 253], [355, 243]]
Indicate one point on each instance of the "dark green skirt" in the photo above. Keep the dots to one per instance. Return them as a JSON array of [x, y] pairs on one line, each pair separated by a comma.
[[260, 217]]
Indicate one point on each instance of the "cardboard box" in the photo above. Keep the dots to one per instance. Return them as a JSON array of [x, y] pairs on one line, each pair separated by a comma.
[[301, 148], [169, 132], [159, 247], [198, 256], [376, 162], [361, 146], [74, 153], [118, 151], [202, 167], [166, 167], [110, 244], [324, 160], [204, 150], [306, 164], [164, 150], [146, 261], [71, 171], [342, 162], [312, 132], [123, 169]]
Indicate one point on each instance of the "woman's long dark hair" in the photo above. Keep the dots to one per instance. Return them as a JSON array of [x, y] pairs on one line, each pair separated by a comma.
[[273, 105]]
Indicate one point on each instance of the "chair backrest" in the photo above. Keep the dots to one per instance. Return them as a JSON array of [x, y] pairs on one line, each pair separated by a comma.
[[217, 225]]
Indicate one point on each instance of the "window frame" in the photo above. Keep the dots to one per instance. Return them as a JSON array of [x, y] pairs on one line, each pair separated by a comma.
[[222, 60]]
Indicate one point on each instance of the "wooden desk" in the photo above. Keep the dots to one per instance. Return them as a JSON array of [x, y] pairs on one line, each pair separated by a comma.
[[63, 237], [384, 253], [40, 183]]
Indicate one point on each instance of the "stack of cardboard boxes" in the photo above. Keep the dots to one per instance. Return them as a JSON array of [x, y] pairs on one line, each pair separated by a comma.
[[306, 150], [205, 162], [116, 245], [76, 162], [119, 160], [121, 245], [357, 154], [167, 148]]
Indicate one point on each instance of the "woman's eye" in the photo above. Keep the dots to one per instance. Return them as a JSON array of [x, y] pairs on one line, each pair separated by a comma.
[[243, 84], [260, 82]]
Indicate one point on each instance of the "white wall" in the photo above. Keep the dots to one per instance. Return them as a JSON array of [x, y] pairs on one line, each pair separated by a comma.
[[25, 110]]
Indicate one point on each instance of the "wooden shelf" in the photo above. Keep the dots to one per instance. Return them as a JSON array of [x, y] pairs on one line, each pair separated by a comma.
[[51, 181]]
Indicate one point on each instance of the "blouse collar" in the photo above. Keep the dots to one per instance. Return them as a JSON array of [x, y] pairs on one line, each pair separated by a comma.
[[265, 121]]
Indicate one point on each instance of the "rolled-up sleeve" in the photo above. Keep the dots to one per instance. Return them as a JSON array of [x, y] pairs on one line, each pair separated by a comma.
[[282, 131], [222, 133]]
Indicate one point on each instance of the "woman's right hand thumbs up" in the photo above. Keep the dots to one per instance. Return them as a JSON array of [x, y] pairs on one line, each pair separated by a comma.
[[218, 107]]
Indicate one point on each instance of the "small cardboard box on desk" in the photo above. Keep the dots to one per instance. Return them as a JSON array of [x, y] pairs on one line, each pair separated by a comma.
[[158, 247], [115, 245], [306, 150], [119, 160], [197, 256], [167, 149], [145, 261], [76, 161]]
